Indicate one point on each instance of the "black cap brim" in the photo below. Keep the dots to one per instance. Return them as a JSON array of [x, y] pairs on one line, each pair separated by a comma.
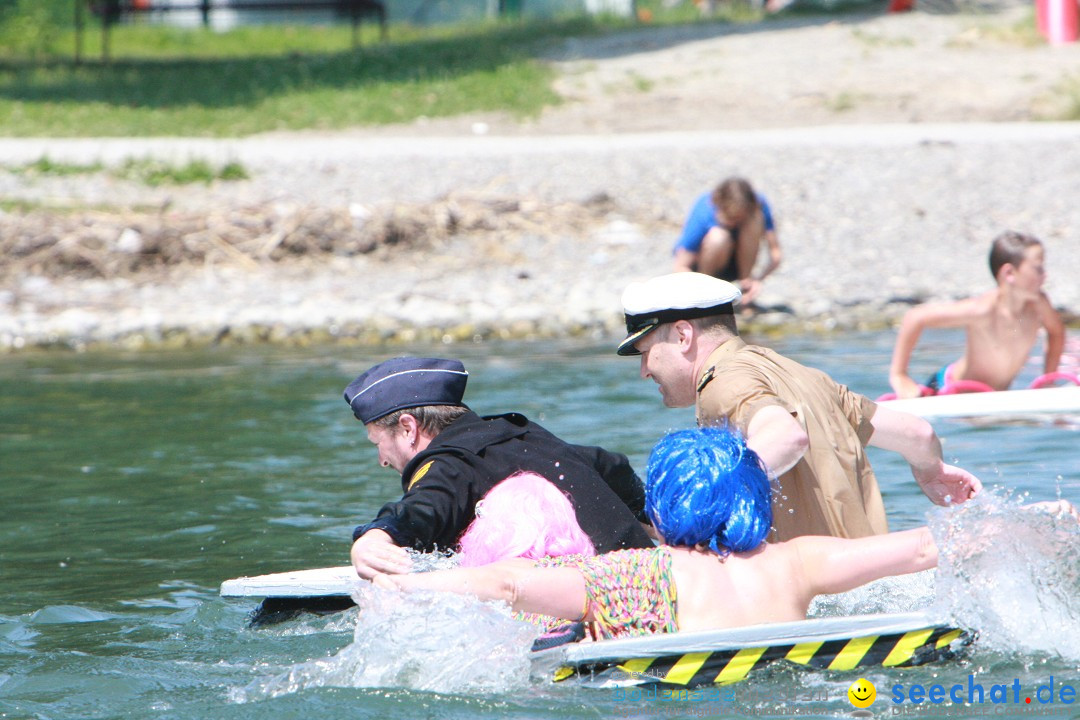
[[626, 347]]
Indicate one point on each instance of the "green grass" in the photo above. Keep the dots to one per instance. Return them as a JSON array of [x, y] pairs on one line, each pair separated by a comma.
[[148, 171], [842, 102], [45, 166], [1023, 33], [196, 82], [1067, 95], [24, 207], [687, 12], [155, 173]]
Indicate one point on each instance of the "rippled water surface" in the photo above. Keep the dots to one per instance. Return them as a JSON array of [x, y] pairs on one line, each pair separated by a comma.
[[132, 485]]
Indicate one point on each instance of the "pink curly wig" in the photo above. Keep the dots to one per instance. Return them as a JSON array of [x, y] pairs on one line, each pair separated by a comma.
[[526, 516]]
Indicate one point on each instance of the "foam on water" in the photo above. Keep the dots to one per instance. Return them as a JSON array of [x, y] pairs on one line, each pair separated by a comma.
[[903, 593], [1012, 573], [421, 641]]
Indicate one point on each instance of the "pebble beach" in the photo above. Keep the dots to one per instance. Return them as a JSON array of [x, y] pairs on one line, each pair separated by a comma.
[[872, 218]]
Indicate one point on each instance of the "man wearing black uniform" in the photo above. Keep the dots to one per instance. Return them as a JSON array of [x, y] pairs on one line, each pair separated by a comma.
[[449, 457]]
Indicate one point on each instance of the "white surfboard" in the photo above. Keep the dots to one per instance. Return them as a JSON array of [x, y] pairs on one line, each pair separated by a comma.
[[319, 582], [675, 659], [1018, 404]]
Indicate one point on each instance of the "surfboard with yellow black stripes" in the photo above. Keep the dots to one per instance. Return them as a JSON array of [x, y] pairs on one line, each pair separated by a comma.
[[729, 656]]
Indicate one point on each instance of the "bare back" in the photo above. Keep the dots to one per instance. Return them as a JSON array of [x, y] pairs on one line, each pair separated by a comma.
[[776, 582], [761, 586]]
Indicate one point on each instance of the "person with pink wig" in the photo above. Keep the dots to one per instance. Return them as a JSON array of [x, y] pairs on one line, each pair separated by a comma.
[[524, 516], [527, 517]]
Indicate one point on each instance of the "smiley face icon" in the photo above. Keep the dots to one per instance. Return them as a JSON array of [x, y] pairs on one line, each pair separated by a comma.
[[862, 693]]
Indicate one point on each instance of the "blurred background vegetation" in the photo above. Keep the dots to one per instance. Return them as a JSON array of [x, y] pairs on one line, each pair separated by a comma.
[[32, 28], [162, 80], [166, 80]]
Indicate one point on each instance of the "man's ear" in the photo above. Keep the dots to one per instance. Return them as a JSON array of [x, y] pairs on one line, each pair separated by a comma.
[[683, 334], [409, 426]]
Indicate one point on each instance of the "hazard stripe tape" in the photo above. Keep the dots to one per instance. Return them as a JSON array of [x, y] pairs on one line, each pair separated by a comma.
[[851, 655], [728, 666], [803, 652], [906, 646], [948, 638], [740, 666]]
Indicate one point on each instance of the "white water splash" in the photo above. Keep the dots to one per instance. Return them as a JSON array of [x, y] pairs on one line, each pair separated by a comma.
[[902, 593], [436, 642], [1012, 573]]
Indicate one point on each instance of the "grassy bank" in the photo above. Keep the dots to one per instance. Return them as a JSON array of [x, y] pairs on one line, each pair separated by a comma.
[[199, 83], [196, 82]]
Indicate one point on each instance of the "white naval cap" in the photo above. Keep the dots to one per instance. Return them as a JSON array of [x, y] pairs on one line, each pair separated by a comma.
[[667, 298]]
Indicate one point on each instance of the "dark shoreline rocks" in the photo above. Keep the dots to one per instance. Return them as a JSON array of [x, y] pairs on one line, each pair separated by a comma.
[[525, 237]]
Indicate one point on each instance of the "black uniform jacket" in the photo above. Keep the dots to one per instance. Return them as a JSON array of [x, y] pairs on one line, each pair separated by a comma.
[[443, 483]]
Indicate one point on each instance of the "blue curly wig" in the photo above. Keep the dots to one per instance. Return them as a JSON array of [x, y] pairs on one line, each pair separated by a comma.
[[706, 487]]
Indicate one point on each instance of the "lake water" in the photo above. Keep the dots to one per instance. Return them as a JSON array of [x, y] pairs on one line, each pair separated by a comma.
[[131, 486]]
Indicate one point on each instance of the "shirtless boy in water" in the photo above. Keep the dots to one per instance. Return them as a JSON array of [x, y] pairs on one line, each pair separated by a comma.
[[1001, 324]]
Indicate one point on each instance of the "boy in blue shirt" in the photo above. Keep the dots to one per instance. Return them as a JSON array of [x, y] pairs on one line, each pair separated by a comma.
[[723, 234]]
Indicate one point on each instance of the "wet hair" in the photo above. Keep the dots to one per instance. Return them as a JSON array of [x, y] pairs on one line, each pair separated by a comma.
[[706, 487], [526, 516], [1008, 248], [432, 418], [734, 192]]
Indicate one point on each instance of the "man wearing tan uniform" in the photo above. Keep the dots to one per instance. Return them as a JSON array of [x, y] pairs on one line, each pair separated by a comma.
[[810, 430]]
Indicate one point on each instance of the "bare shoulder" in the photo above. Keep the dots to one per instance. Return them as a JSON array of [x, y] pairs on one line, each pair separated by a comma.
[[957, 312], [981, 305], [1048, 316], [786, 555]]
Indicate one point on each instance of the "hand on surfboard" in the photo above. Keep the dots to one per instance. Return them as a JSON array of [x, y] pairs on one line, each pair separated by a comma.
[[374, 552]]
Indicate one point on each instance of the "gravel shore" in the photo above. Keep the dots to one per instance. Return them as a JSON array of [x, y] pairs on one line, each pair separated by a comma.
[[871, 219], [872, 216]]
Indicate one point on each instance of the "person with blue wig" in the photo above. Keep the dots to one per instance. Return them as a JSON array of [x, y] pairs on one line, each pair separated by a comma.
[[706, 487], [709, 496]]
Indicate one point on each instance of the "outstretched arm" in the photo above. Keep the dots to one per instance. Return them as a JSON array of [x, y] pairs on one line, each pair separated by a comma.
[[554, 591], [1055, 335], [906, 339], [775, 254], [954, 314], [432, 513], [834, 565], [914, 438]]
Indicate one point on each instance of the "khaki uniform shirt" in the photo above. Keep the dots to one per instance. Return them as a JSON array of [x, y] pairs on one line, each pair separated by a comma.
[[832, 489]]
